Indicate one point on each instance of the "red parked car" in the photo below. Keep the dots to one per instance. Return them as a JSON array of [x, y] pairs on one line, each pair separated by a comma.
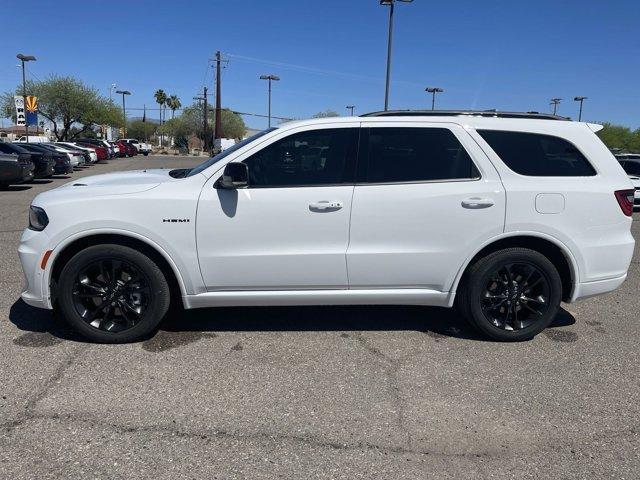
[[101, 152], [130, 150]]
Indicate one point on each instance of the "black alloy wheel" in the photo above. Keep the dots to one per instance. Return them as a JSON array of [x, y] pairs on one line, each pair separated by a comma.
[[511, 294], [516, 296], [111, 294]]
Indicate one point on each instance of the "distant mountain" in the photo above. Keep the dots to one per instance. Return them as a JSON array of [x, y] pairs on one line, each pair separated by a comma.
[[149, 120]]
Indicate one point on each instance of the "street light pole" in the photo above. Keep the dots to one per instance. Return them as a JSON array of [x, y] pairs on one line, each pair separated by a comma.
[[350, 108], [269, 78], [555, 102], [124, 111], [25, 58], [433, 91], [111, 89], [580, 99], [391, 5]]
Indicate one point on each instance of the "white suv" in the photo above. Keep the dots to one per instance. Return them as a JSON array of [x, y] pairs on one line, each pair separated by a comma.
[[503, 215]]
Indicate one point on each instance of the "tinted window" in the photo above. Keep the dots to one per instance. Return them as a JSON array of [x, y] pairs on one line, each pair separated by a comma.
[[10, 148], [538, 155], [632, 167], [417, 154], [317, 157]]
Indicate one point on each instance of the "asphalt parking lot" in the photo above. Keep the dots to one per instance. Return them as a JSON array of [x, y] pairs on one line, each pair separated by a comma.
[[304, 392]]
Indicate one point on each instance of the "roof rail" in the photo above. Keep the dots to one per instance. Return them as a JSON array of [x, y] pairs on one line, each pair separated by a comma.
[[460, 113]]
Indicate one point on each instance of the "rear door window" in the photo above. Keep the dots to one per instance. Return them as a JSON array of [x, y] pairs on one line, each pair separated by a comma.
[[411, 155], [538, 155]]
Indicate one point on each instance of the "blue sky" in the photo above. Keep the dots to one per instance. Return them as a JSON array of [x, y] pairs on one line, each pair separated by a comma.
[[510, 55]]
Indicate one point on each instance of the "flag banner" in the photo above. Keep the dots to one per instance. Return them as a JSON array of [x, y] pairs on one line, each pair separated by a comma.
[[21, 119], [32, 110]]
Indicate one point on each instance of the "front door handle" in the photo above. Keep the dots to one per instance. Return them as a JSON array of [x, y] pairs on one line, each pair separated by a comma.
[[477, 202], [325, 206]]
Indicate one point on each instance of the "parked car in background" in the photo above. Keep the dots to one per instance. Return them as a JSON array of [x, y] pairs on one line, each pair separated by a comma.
[[47, 161], [120, 148], [511, 214], [631, 164], [76, 157], [141, 147], [93, 157], [33, 139], [129, 149], [101, 152], [14, 169], [44, 166]]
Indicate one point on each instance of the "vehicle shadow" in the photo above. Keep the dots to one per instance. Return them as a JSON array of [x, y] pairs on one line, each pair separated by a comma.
[[15, 188], [61, 177], [432, 321], [40, 181]]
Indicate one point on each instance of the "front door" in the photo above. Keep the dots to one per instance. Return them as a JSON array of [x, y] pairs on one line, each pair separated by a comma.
[[289, 229]]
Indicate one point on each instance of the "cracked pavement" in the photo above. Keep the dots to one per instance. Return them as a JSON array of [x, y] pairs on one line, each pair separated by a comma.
[[314, 392]]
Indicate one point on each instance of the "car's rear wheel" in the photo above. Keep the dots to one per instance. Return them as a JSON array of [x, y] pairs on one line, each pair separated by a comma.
[[512, 294], [112, 294]]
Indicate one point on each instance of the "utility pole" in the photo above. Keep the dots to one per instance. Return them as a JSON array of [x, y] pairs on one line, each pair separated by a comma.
[[206, 121], [555, 102], [580, 99], [269, 78], [433, 91], [391, 5], [217, 133]]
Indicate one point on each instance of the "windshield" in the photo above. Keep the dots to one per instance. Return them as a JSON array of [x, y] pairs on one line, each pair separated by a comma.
[[203, 166]]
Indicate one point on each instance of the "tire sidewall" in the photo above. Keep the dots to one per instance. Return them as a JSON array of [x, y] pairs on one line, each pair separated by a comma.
[[156, 309]]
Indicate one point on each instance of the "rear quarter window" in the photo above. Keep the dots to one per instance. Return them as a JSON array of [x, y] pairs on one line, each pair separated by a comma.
[[538, 155]]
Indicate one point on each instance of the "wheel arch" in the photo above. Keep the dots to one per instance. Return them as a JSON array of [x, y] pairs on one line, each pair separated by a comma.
[[549, 246], [75, 244]]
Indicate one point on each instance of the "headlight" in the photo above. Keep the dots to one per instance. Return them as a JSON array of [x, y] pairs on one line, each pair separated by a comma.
[[38, 219]]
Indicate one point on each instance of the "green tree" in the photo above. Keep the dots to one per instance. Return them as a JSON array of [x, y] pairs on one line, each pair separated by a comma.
[[72, 107], [232, 124], [141, 130], [326, 114], [173, 102], [618, 136]]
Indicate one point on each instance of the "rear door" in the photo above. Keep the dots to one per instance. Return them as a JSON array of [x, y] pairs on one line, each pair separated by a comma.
[[426, 197]]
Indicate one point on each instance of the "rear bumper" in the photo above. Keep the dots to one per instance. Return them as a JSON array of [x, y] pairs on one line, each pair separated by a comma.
[[45, 169], [591, 289]]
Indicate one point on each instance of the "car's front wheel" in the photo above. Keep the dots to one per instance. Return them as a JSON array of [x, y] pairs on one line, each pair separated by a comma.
[[512, 294], [112, 294]]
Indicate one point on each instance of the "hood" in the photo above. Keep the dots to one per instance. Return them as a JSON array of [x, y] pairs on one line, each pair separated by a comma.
[[118, 183]]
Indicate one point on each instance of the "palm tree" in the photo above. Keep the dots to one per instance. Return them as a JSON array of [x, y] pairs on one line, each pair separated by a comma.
[[173, 102], [161, 99]]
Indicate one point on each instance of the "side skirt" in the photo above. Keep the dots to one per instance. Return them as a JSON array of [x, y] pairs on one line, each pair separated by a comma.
[[413, 296]]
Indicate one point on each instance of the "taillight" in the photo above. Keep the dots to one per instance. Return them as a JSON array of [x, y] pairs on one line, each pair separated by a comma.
[[625, 200]]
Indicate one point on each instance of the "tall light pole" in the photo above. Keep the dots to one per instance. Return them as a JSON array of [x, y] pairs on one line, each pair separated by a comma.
[[391, 5], [350, 108], [111, 89], [580, 99], [124, 111], [25, 58], [555, 102], [270, 78], [433, 91]]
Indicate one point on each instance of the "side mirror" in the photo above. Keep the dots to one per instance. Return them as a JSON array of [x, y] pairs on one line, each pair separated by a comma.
[[235, 175]]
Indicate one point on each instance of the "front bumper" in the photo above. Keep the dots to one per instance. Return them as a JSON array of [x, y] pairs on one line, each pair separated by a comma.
[[31, 249]]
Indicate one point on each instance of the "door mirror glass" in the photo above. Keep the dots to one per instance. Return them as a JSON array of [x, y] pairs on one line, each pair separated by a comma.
[[235, 175]]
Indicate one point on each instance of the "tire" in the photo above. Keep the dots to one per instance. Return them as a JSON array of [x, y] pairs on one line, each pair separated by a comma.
[[511, 295], [121, 291], [146, 153]]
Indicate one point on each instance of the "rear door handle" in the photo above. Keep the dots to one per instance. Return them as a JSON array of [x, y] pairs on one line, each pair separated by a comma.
[[325, 206], [477, 202]]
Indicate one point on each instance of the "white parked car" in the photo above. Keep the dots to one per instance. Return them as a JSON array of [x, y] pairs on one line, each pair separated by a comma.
[[631, 164], [502, 215], [93, 157], [33, 139]]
